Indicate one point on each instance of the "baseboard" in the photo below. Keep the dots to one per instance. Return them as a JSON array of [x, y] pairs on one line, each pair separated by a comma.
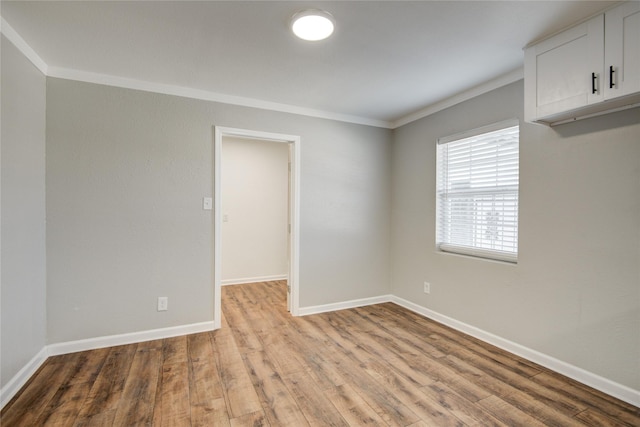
[[226, 282], [604, 385], [129, 338], [20, 379], [316, 309]]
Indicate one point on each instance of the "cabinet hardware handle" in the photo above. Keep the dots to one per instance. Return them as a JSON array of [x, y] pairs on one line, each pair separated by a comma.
[[593, 83], [611, 71]]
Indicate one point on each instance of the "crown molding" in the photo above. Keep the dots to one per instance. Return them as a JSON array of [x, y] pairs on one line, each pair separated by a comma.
[[186, 92], [109, 80], [503, 80], [22, 46]]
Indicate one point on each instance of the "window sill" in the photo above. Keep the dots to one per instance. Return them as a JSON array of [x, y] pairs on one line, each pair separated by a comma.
[[500, 256]]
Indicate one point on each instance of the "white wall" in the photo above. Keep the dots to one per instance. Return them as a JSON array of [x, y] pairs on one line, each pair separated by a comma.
[[575, 292], [255, 194], [126, 173], [23, 293]]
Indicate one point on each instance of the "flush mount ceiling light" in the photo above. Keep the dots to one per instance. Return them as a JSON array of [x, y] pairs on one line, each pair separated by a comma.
[[312, 25]]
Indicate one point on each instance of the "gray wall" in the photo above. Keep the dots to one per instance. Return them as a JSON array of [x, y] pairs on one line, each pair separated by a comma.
[[575, 292], [23, 212], [126, 173]]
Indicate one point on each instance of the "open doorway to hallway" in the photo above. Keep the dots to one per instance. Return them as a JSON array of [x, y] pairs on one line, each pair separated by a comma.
[[256, 211]]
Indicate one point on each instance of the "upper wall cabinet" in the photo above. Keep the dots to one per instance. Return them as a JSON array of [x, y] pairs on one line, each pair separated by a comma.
[[622, 50], [592, 68]]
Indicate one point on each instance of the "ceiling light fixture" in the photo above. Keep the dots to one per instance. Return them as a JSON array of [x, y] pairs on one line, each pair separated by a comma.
[[312, 25]]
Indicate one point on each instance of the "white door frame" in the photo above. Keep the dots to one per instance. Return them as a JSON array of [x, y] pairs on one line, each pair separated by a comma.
[[294, 213]]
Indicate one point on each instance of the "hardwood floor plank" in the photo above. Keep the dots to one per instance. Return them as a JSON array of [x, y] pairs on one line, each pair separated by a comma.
[[315, 406], [593, 417], [393, 411], [527, 403], [174, 350], [139, 395], [324, 373], [379, 365], [64, 406], [281, 350], [254, 419], [205, 383], [434, 369], [200, 347], [300, 341], [422, 325], [208, 406], [104, 418], [266, 300], [104, 396], [427, 408], [388, 406], [87, 365], [465, 410], [279, 407], [588, 397], [250, 306], [175, 409], [27, 406], [238, 390], [409, 364], [508, 414], [521, 383], [399, 331], [245, 337], [452, 342], [353, 408], [213, 413]]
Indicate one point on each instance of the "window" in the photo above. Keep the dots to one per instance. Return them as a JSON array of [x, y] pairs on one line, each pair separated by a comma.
[[477, 192]]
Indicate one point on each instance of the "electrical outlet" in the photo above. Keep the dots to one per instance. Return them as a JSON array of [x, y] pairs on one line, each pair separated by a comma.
[[427, 287], [163, 303]]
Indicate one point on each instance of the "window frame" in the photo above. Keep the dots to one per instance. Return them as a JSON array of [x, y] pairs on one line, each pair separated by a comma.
[[473, 251]]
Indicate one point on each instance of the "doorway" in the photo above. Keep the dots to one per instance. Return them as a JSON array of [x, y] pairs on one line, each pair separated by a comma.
[[293, 142]]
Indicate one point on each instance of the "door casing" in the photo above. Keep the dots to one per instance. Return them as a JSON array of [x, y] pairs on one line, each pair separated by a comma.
[[294, 213]]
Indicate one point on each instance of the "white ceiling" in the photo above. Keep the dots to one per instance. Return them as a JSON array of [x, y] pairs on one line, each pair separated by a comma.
[[385, 61]]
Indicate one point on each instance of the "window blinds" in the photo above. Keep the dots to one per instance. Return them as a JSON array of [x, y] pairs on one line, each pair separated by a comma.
[[477, 192]]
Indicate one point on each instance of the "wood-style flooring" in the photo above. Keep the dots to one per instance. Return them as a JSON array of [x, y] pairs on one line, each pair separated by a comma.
[[379, 365]]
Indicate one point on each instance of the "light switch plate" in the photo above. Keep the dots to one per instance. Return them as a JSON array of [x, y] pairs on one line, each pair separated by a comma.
[[207, 203]]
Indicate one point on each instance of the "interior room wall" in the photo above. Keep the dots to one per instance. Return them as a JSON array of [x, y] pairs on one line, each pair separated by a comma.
[[126, 173], [575, 291], [255, 193], [23, 290]]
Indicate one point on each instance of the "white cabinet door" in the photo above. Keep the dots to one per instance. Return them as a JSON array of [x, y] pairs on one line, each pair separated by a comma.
[[622, 50], [565, 72]]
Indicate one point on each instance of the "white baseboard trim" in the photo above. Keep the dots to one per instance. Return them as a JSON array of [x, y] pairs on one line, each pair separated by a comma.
[[20, 379], [226, 282], [129, 338], [316, 309], [604, 385]]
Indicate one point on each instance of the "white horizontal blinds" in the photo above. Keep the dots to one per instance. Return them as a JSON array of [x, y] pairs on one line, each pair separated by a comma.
[[477, 190]]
